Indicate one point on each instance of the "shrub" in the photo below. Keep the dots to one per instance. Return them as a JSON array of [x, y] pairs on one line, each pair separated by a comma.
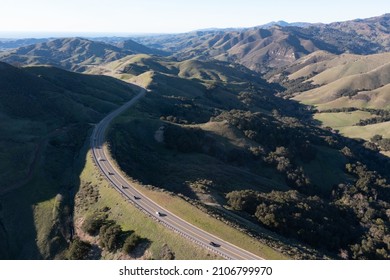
[[92, 224], [131, 243], [79, 250], [111, 236]]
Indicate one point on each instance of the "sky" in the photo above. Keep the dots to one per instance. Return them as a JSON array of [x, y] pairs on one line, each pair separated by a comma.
[[171, 16]]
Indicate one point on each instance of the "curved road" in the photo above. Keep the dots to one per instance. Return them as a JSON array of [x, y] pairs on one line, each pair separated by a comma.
[[163, 216]]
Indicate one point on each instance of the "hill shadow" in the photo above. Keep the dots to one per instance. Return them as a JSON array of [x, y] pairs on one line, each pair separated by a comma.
[[36, 219]]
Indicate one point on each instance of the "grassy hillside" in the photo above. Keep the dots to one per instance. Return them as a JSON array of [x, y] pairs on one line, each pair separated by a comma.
[[338, 86], [45, 116], [341, 119], [368, 131], [329, 81], [131, 219], [222, 141]]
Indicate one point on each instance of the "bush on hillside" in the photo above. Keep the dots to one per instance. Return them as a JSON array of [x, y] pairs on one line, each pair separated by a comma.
[[79, 250], [111, 236], [131, 243], [93, 223]]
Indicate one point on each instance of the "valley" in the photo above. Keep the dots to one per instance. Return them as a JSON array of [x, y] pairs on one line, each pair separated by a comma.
[[272, 138]]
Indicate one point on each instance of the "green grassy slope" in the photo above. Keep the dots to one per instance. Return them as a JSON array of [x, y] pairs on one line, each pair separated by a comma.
[[130, 218], [45, 116]]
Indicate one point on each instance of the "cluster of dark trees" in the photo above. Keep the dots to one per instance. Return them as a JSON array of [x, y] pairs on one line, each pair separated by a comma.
[[309, 219], [281, 158], [369, 198], [254, 98], [179, 109], [349, 92], [383, 143], [280, 143], [264, 129], [79, 250], [354, 222], [283, 142], [184, 140], [374, 120], [380, 115], [377, 112], [111, 237], [340, 110], [297, 85]]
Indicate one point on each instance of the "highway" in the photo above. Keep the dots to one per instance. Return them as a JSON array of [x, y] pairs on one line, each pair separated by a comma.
[[104, 162]]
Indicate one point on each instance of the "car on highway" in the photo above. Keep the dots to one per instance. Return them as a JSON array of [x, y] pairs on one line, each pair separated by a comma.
[[158, 214], [110, 173], [214, 244], [124, 187], [136, 197]]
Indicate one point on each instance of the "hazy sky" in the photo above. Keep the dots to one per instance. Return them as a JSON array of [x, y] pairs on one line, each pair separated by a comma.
[[171, 16]]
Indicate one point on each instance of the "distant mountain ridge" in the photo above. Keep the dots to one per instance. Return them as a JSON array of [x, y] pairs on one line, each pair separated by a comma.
[[285, 23], [278, 45], [6, 44], [75, 54], [137, 48], [375, 28], [263, 48]]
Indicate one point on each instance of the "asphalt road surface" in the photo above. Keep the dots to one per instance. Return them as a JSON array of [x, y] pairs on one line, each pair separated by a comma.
[[161, 215]]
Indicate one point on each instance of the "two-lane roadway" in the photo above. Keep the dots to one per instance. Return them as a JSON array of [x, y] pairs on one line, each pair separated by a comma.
[[105, 163]]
